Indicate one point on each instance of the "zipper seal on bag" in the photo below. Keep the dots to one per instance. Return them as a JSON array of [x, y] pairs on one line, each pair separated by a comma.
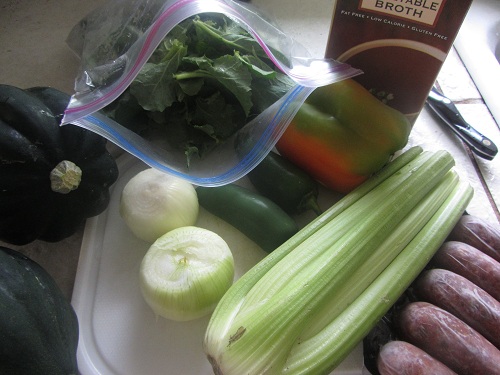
[[292, 101], [319, 72]]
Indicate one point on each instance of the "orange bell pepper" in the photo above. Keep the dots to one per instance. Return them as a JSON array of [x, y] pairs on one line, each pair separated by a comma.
[[342, 134]]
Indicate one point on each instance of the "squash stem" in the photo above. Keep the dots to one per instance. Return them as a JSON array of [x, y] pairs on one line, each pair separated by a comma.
[[65, 177]]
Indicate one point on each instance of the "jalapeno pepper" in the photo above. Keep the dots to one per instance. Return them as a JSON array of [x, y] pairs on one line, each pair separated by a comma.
[[285, 184], [342, 134], [254, 215]]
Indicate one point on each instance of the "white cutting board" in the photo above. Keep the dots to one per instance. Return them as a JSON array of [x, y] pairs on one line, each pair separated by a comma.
[[119, 334]]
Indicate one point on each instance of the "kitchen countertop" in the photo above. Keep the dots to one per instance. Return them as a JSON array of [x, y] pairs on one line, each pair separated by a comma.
[[33, 53]]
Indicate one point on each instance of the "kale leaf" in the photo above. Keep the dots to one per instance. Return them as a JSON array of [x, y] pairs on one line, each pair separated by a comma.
[[205, 80]]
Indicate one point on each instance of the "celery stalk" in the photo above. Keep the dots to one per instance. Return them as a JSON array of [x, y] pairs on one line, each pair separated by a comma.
[[257, 322], [381, 257], [232, 300], [316, 270], [327, 350], [307, 254]]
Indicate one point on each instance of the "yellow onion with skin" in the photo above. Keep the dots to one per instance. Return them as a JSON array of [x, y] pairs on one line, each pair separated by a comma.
[[186, 272], [153, 203]]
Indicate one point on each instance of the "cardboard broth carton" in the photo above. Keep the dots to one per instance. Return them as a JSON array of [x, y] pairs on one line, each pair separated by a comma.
[[399, 44]]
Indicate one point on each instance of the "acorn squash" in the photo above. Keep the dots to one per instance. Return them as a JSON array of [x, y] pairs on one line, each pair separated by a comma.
[[52, 177], [38, 326]]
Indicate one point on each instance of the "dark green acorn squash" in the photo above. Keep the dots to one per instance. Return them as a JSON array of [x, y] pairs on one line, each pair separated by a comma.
[[38, 326], [52, 177]]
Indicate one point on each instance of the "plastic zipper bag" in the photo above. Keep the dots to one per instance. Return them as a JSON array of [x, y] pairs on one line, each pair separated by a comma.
[[115, 44]]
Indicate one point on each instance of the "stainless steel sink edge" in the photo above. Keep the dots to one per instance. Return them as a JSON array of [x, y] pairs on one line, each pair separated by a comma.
[[478, 44]]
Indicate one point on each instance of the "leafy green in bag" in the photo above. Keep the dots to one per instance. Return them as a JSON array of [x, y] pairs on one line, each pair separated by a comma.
[[206, 79]]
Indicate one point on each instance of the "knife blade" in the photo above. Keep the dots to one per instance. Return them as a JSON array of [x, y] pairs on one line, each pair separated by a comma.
[[449, 114]]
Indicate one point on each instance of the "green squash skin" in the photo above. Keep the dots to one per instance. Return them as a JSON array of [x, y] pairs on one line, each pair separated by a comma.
[[31, 144], [38, 326]]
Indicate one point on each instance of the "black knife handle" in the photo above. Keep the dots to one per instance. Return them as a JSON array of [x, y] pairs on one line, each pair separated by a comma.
[[448, 112]]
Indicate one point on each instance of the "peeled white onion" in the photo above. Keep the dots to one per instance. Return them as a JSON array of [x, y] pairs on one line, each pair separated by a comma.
[[153, 203], [186, 272]]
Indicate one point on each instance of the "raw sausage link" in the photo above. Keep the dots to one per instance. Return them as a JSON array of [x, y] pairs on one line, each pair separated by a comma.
[[448, 339], [403, 358], [474, 265], [462, 298], [479, 233]]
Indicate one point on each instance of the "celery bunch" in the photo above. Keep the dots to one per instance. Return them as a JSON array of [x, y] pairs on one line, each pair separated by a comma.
[[303, 308]]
